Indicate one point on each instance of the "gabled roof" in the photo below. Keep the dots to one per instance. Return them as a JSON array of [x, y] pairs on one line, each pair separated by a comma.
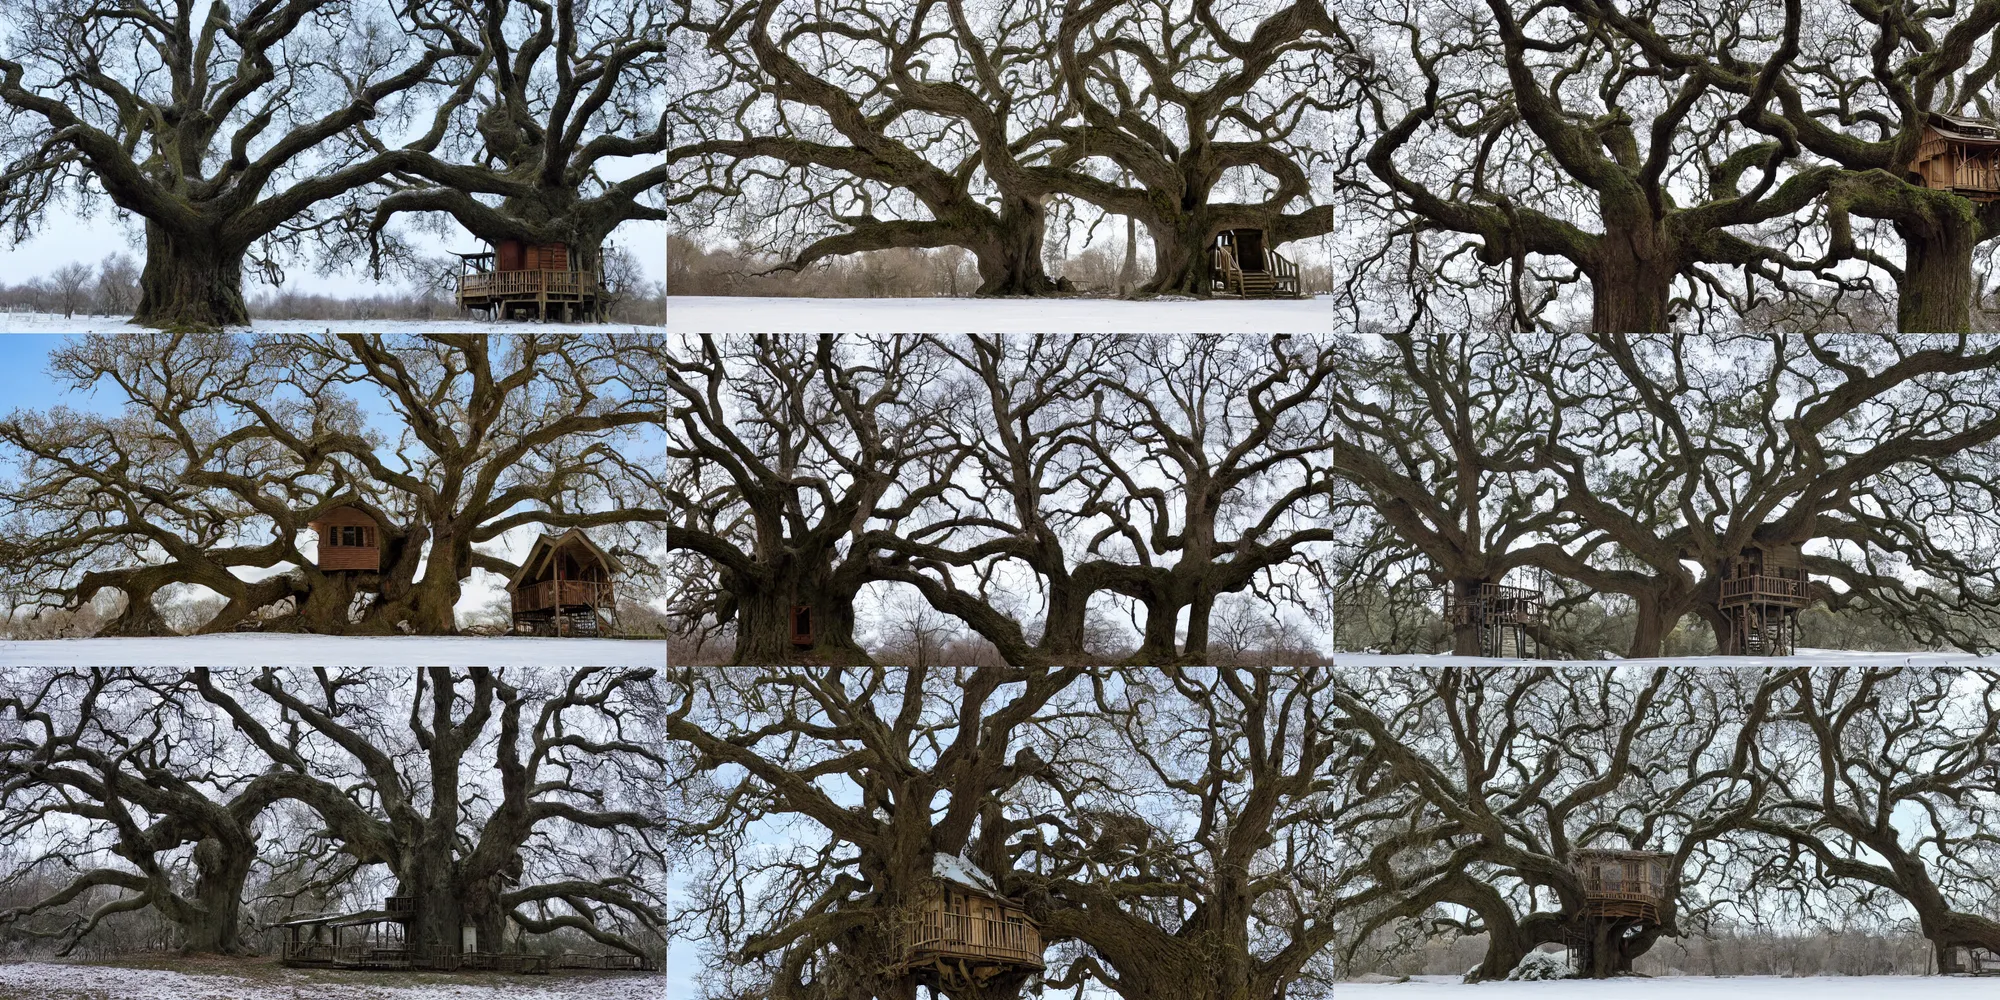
[[952, 868], [546, 545]]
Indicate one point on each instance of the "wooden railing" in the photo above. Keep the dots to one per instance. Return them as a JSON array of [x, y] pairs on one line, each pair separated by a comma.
[[540, 596], [1284, 272], [1764, 589], [308, 951], [1980, 176], [516, 284], [962, 935], [1226, 272]]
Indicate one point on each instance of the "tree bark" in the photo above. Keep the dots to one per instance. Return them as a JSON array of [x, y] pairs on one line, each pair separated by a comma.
[[214, 924], [1631, 278], [1934, 294], [193, 280], [764, 620], [1010, 259]]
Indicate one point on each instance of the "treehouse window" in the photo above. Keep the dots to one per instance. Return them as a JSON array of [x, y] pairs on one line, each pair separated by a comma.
[[351, 536]]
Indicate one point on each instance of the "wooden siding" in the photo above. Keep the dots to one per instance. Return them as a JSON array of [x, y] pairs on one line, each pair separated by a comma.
[[334, 557], [572, 593]]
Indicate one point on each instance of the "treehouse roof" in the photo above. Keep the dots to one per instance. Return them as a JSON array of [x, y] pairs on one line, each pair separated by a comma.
[[953, 868], [346, 919], [1615, 854], [546, 547], [1958, 128]]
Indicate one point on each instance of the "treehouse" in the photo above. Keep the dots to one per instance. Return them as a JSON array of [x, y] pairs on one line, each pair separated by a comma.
[[1624, 892], [349, 539], [370, 939], [564, 587], [963, 933], [1969, 960], [1241, 264], [1960, 155], [1507, 617], [1763, 589], [1623, 885], [517, 279]]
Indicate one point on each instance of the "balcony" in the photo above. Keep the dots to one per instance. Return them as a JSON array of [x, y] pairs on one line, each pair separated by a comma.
[[550, 594], [484, 288], [981, 939], [1764, 589]]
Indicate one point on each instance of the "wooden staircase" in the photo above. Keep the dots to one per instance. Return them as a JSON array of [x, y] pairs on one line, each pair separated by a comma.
[[1227, 277]]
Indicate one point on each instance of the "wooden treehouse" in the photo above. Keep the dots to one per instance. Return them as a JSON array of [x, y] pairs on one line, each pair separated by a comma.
[[1241, 264], [1507, 617], [381, 940], [1763, 589], [1960, 155], [1623, 892], [1969, 960], [369, 939], [516, 279], [963, 933], [564, 587], [349, 539]]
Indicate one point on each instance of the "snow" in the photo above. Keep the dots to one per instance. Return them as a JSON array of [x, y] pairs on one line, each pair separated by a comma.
[[1804, 658], [751, 314], [957, 869], [258, 650], [1682, 988], [51, 981], [58, 323], [1538, 966]]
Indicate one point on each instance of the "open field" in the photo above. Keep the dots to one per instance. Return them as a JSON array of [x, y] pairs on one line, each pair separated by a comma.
[[58, 323], [212, 979], [257, 650], [1685, 988], [751, 314]]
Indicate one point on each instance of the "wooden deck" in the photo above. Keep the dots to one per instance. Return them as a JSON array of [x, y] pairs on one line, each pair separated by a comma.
[[542, 292], [1765, 589], [979, 939]]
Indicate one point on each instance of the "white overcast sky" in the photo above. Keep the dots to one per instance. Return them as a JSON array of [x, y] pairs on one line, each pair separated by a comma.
[[67, 236]]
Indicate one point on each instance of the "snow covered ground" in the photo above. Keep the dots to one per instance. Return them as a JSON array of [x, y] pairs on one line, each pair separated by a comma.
[[1685, 988], [49, 981], [1805, 657], [255, 650], [750, 314], [58, 323]]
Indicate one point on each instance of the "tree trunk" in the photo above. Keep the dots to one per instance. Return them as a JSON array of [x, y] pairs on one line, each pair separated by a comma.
[[192, 281], [1934, 294], [1652, 619], [1010, 262], [1465, 632], [1180, 257], [764, 622], [215, 922], [1631, 281]]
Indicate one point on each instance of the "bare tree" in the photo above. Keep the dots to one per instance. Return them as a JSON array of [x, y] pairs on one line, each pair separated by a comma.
[[218, 131]]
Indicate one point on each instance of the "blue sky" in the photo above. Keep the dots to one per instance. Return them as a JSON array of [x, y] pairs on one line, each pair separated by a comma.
[[24, 377]]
